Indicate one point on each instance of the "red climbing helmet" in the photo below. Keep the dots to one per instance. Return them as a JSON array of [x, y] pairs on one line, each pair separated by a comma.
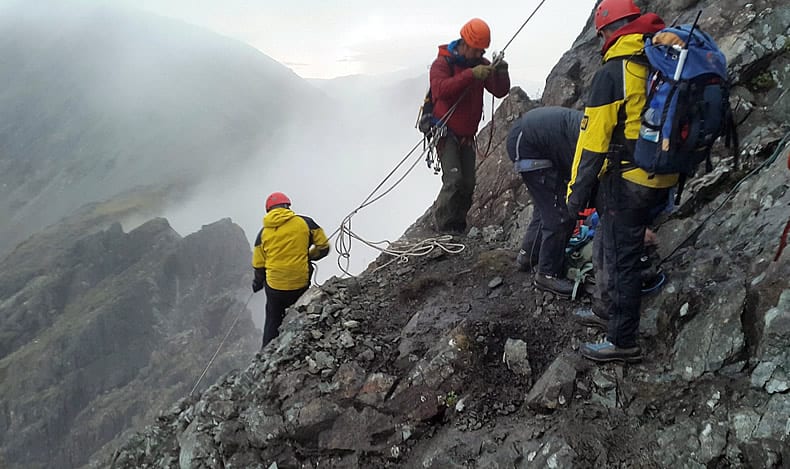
[[610, 11], [276, 198]]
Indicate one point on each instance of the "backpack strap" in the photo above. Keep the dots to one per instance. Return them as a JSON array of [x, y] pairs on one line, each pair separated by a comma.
[[429, 94], [681, 185]]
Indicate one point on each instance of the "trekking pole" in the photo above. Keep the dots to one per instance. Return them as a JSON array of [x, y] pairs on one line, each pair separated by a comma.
[[684, 52], [220, 345]]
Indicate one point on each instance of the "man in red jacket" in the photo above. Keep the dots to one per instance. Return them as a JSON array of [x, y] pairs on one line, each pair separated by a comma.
[[458, 76]]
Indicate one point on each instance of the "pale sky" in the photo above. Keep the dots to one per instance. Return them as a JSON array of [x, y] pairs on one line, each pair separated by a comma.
[[327, 39]]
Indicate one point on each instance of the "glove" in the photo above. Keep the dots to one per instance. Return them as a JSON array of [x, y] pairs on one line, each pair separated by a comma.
[[481, 72], [668, 39], [501, 67], [258, 279]]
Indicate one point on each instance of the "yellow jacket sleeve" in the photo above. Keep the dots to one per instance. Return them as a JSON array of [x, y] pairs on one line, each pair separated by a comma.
[[595, 135], [258, 254], [320, 247]]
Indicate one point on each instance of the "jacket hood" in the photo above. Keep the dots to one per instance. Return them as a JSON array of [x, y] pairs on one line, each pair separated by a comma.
[[448, 50], [277, 217], [626, 46], [444, 51], [649, 23]]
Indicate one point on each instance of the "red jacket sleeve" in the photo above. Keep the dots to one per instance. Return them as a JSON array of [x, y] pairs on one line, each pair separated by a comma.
[[498, 84], [445, 85]]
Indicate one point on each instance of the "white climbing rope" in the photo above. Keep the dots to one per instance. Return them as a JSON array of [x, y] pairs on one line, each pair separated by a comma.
[[219, 347], [402, 252]]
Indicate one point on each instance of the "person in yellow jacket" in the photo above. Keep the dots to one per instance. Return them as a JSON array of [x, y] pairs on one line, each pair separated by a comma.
[[281, 258], [627, 197]]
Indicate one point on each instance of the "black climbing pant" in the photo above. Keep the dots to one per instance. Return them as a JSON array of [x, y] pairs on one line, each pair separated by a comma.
[[551, 226], [277, 301], [625, 210]]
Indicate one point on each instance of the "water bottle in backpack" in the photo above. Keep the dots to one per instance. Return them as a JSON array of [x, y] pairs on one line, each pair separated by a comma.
[[651, 126]]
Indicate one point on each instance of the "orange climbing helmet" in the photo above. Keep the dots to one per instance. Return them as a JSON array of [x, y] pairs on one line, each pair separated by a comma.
[[476, 33], [610, 11], [276, 198]]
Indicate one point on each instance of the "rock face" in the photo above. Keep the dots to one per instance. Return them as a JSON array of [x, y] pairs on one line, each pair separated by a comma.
[[102, 331], [403, 366]]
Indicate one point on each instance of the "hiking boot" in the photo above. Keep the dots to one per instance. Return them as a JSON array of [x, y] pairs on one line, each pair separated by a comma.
[[559, 286], [609, 352], [587, 317], [524, 262]]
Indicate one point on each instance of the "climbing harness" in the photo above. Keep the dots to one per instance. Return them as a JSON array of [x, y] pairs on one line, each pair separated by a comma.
[[431, 158], [219, 347]]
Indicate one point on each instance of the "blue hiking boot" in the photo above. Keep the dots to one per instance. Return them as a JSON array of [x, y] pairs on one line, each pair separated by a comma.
[[609, 352], [586, 316]]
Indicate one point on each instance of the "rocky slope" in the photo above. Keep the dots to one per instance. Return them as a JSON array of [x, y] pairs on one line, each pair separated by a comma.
[[453, 360], [100, 330]]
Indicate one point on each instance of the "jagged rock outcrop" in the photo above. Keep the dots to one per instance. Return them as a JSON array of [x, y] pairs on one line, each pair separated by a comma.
[[102, 329], [402, 366]]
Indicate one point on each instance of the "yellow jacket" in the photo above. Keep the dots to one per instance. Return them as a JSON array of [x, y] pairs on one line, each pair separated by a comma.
[[284, 247], [611, 123]]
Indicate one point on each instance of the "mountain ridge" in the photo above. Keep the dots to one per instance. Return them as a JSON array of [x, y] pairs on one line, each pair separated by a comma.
[[449, 360], [97, 101]]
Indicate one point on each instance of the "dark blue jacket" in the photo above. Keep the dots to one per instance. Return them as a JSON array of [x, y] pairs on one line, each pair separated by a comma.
[[546, 133]]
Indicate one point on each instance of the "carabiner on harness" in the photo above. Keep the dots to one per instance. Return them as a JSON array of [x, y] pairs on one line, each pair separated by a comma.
[[429, 144]]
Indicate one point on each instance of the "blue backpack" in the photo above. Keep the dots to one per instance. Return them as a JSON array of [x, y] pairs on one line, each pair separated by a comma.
[[686, 109]]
